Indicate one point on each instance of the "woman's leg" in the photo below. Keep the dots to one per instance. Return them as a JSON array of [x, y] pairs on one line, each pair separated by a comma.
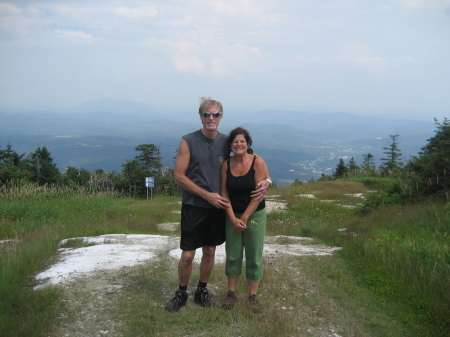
[[254, 246], [232, 283], [253, 287], [235, 253]]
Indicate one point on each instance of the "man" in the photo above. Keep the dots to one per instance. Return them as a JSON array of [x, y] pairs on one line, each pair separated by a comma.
[[197, 172]]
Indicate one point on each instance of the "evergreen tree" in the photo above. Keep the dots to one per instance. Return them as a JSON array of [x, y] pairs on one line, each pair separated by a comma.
[[368, 166], [10, 156], [149, 158], [79, 176], [11, 164], [341, 169], [353, 169], [433, 163], [135, 174], [45, 171], [166, 184], [148, 163], [391, 163]]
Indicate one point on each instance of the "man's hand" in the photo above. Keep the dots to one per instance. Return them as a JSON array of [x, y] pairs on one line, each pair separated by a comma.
[[260, 191], [217, 200]]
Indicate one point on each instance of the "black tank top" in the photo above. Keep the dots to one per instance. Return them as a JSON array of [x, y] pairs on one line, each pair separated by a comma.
[[239, 189]]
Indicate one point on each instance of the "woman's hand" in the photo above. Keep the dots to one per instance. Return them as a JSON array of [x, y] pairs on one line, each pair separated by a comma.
[[239, 225]]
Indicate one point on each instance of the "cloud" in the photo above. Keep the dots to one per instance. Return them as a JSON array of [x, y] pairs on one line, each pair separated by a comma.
[[360, 55], [74, 36], [420, 4], [251, 46], [15, 22], [256, 11], [215, 57], [137, 14], [7, 9], [189, 64]]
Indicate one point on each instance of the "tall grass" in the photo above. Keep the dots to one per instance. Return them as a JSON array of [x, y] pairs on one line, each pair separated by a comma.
[[401, 252], [409, 248], [34, 219]]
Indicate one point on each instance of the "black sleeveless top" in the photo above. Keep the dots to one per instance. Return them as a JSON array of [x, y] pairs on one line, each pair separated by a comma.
[[239, 189]]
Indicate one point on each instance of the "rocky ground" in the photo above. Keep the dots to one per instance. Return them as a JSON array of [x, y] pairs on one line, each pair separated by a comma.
[[90, 290]]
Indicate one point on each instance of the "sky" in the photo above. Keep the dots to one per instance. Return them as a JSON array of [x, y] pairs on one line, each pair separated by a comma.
[[378, 58]]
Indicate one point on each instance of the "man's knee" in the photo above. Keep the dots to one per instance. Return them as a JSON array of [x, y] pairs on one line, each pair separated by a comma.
[[209, 251], [187, 256]]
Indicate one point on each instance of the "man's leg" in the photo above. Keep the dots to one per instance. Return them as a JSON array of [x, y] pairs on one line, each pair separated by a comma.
[[185, 266], [184, 273], [201, 295], [207, 263]]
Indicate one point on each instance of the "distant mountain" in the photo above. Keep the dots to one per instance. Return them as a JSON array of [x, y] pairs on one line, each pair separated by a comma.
[[114, 106], [296, 145]]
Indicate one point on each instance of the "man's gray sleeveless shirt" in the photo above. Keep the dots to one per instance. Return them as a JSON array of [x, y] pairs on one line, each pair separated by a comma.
[[206, 156]]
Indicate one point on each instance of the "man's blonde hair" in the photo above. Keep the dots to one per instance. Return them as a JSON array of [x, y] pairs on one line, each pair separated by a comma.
[[207, 102]]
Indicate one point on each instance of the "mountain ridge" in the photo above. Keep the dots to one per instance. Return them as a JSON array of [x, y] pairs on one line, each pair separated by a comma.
[[295, 145]]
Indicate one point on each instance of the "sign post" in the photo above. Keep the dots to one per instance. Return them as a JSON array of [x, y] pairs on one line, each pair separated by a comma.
[[150, 182]]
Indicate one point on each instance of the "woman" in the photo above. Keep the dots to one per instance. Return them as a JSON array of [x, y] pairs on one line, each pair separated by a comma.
[[246, 218]]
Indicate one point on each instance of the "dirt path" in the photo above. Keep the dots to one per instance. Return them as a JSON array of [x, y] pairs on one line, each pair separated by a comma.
[[91, 296], [90, 300]]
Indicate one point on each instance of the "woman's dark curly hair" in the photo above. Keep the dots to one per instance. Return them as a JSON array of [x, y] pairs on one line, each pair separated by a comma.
[[239, 131]]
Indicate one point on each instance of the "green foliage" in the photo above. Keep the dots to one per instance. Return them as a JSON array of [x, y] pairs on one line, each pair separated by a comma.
[[384, 198], [297, 182], [38, 167], [377, 182], [432, 166], [34, 219], [368, 167], [398, 249], [149, 157], [353, 169], [392, 162], [341, 169], [409, 258], [135, 175], [396, 260], [148, 164], [390, 192], [45, 171], [12, 165], [77, 176]]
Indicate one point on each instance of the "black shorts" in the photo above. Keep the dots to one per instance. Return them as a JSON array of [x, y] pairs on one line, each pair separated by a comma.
[[201, 227]]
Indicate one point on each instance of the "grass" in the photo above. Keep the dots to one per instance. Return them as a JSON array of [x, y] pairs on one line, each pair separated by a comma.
[[391, 277], [400, 252], [35, 221], [301, 298]]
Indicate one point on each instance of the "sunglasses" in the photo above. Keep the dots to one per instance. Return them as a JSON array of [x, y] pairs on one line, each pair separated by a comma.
[[214, 114]]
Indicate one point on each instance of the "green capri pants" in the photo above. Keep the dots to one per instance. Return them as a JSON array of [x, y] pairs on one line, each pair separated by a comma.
[[252, 241]]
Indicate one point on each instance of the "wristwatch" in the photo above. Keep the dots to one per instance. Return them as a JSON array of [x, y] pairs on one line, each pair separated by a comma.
[[270, 181]]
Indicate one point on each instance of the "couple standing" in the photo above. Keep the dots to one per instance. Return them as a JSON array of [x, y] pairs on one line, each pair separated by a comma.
[[238, 191]]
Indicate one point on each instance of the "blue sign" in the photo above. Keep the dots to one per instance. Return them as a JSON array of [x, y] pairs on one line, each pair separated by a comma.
[[149, 182]]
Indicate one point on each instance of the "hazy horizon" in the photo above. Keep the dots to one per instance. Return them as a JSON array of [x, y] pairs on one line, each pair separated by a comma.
[[114, 106], [387, 58]]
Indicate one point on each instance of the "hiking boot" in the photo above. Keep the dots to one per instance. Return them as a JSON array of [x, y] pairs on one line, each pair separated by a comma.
[[178, 301], [202, 297], [230, 301], [254, 304]]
